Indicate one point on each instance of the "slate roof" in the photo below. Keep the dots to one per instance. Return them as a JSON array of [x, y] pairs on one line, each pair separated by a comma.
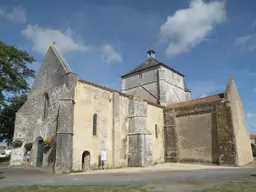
[[150, 63]]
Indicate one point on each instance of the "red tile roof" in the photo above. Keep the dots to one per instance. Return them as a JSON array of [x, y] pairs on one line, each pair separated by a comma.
[[203, 100], [252, 136]]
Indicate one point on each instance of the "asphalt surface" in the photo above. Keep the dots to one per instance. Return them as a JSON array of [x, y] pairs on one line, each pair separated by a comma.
[[204, 178]]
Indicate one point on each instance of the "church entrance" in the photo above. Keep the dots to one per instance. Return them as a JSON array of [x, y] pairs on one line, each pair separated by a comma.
[[86, 158], [40, 152]]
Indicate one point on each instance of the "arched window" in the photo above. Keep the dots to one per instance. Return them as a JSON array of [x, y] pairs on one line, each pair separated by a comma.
[[45, 106], [156, 131], [94, 131]]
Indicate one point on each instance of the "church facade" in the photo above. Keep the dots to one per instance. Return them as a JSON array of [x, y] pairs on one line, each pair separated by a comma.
[[151, 120]]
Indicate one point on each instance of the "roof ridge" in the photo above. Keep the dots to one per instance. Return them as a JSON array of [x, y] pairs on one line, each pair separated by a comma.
[[208, 99]]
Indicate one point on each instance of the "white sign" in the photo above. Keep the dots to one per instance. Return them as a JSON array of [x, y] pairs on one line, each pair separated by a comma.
[[103, 155]]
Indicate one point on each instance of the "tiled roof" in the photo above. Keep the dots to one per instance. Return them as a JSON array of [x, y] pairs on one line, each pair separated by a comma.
[[203, 100], [252, 136], [150, 63]]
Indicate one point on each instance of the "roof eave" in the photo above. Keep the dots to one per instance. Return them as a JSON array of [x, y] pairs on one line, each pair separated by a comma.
[[161, 64]]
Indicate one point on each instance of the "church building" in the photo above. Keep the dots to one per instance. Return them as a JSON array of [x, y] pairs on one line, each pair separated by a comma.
[[74, 124]]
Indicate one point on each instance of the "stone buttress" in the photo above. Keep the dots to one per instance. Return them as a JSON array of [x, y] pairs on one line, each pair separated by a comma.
[[139, 138]]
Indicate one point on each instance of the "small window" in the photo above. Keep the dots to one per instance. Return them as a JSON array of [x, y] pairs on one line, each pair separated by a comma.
[[140, 76], [156, 131], [94, 131], [45, 106]]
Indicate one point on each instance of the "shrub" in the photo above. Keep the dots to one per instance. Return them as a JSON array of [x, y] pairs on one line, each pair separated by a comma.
[[47, 143]]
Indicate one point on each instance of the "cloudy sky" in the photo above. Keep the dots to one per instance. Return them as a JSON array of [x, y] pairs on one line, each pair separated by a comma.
[[103, 39]]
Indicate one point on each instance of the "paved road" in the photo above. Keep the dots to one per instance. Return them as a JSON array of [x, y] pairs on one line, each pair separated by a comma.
[[21, 176]]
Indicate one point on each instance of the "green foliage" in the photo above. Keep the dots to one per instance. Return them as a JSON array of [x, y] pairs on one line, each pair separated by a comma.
[[7, 118], [13, 71], [13, 86], [47, 143]]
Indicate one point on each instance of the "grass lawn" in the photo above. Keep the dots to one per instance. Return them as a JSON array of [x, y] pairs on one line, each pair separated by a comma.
[[242, 186], [75, 189]]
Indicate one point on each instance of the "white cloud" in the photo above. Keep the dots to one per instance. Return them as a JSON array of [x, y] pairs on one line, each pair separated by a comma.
[[251, 115], [43, 37], [254, 90], [246, 43], [188, 27], [109, 55], [16, 14], [205, 88]]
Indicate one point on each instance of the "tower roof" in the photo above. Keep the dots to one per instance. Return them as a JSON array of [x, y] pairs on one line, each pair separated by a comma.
[[150, 63]]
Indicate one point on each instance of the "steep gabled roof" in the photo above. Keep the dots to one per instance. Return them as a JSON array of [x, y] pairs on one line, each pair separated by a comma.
[[60, 57], [150, 63]]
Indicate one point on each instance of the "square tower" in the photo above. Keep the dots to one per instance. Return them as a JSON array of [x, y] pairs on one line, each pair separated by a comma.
[[155, 82]]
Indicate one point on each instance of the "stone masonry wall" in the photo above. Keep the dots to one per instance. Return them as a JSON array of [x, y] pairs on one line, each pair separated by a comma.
[[191, 134], [122, 128], [90, 100], [140, 138], [197, 134], [170, 136], [241, 135], [155, 124], [226, 140], [30, 124]]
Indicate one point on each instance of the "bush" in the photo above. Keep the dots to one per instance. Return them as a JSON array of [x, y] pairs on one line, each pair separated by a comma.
[[47, 143]]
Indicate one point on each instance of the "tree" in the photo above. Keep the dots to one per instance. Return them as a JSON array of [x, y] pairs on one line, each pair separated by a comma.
[[7, 117], [13, 86], [13, 72]]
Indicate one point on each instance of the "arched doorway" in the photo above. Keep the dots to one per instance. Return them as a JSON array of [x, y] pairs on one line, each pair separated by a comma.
[[39, 151], [86, 158]]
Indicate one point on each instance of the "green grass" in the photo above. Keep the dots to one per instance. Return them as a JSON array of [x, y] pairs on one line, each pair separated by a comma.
[[242, 186], [75, 189]]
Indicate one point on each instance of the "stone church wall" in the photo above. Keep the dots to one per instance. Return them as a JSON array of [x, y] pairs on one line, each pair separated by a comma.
[[155, 124], [174, 85], [119, 124], [191, 134], [90, 100], [241, 136], [120, 130], [208, 130], [29, 123], [197, 137], [144, 86]]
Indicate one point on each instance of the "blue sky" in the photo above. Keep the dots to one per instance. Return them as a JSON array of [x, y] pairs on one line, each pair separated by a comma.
[[103, 39]]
